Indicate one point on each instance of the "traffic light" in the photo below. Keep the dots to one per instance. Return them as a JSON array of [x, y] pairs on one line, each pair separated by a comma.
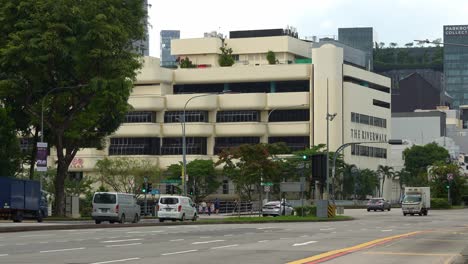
[[150, 187], [191, 191], [448, 186], [143, 188]]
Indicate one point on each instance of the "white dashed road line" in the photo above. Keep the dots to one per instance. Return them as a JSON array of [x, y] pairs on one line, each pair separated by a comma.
[[387, 230], [206, 242], [228, 235], [263, 241], [174, 240], [124, 245], [327, 229], [60, 250], [227, 246], [3, 255], [37, 235], [123, 240], [303, 244], [114, 261], [180, 252]]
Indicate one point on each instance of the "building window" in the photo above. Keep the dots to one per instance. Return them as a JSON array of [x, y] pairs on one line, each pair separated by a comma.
[[190, 116], [225, 186], [194, 146], [293, 86], [250, 87], [289, 115], [134, 146], [231, 142], [366, 84], [140, 117], [198, 88], [238, 116], [381, 103], [368, 120], [365, 151], [293, 143]]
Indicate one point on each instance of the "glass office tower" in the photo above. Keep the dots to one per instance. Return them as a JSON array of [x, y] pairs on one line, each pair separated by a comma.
[[167, 60], [456, 63], [360, 38]]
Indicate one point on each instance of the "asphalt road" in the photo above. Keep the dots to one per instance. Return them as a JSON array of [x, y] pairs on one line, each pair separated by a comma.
[[442, 236]]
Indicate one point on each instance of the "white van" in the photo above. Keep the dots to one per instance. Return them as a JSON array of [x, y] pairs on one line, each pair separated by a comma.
[[176, 208], [115, 207]]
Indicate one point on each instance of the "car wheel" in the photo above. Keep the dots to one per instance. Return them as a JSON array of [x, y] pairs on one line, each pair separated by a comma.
[[195, 216], [265, 215], [111, 222], [136, 219], [411, 214], [368, 210], [375, 210], [18, 218], [182, 218], [97, 222], [161, 220], [122, 219], [40, 217], [389, 209], [404, 214]]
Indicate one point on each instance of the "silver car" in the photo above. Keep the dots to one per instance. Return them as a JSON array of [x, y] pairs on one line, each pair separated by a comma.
[[115, 207], [276, 208]]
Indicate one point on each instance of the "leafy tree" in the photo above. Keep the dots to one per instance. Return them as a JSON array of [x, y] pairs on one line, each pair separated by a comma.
[[203, 178], [186, 63], [409, 44], [385, 172], [9, 146], [393, 44], [439, 181], [126, 175], [271, 57], [83, 47], [226, 59], [419, 158], [247, 164]]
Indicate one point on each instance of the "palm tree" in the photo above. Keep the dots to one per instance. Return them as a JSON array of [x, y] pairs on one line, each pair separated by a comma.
[[385, 172]]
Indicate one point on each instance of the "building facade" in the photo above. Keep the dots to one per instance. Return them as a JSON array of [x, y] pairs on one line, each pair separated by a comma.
[[362, 38], [167, 59], [456, 63], [284, 102]]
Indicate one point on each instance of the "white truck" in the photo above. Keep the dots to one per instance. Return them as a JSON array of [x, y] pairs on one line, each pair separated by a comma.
[[417, 200]]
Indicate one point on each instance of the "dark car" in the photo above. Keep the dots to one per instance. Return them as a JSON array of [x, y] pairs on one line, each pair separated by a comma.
[[378, 204]]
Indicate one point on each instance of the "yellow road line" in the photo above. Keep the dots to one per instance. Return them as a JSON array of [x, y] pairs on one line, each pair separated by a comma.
[[410, 254], [350, 249]]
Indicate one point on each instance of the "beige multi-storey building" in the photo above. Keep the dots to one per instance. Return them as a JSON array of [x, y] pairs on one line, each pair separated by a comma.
[[283, 102]]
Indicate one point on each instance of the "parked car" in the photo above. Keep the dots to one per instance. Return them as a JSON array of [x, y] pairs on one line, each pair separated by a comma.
[[378, 204], [176, 208], [275, 208], [115, 207]]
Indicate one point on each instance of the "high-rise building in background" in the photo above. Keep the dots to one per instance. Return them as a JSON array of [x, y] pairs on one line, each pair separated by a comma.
[[456, 63], [142, 46], [362, 38], [167, 60]]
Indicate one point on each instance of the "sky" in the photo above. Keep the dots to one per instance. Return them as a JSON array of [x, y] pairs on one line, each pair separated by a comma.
[[399, 21]]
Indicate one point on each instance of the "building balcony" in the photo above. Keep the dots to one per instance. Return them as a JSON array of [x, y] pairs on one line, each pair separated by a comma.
[[191, 130], [247, 101], [177, 102], [240, 129], [288, 100], [288, 129], [138, 130], [147, 103]]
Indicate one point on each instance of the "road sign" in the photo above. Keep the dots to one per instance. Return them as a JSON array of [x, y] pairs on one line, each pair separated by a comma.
[[154, 191], [450, 176], [267, 188], [171, 181], [267, 184]]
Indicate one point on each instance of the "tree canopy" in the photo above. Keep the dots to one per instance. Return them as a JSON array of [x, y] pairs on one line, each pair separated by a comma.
[[419, 158], [76, 58], [9, 146]]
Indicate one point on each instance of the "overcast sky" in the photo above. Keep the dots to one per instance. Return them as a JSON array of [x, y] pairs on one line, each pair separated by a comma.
[[399, 21]]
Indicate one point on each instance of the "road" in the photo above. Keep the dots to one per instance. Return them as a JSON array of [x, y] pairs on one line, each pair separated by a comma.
[[440, 238]]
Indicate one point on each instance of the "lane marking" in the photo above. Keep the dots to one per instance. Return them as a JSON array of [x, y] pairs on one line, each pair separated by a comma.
[[343, 251], [180, 252], [44, 242], [283, 238], [172, 227], [124, 245], [60, 250], [206, 242], [228, 235], [234, 245], [122, 240], [267, 227], [174, 240], [328, 229], [410, 253], [387, 230], [263, 241], [38, 235], [305, 243], [3, 255], [113, 261], [21, 244], [205, 236]]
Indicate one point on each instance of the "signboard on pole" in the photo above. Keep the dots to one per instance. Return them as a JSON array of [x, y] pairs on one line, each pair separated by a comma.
[[41, 156], [173, 181]]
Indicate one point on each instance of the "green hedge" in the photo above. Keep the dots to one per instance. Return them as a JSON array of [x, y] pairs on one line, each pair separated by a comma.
[[439, 203], [308, 210]]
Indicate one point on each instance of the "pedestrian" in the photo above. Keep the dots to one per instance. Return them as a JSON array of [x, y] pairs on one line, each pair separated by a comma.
[[216, 205], [209, 208], [203, 205]]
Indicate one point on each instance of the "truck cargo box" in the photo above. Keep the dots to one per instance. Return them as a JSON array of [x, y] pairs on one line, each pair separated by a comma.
[[19, 194]]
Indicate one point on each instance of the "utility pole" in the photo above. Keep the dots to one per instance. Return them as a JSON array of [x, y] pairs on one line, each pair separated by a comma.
[[146, 200]]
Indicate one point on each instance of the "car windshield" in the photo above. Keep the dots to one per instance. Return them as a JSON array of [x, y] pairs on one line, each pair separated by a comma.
[[105, 198], [412, 199], [168, 200]]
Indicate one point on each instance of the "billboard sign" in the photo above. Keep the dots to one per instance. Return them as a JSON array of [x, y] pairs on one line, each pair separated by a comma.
[[41, 156], [460, 30]]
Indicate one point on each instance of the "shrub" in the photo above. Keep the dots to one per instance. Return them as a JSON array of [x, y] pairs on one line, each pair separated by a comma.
[[308, 210], [271, 58], [439, 203]]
